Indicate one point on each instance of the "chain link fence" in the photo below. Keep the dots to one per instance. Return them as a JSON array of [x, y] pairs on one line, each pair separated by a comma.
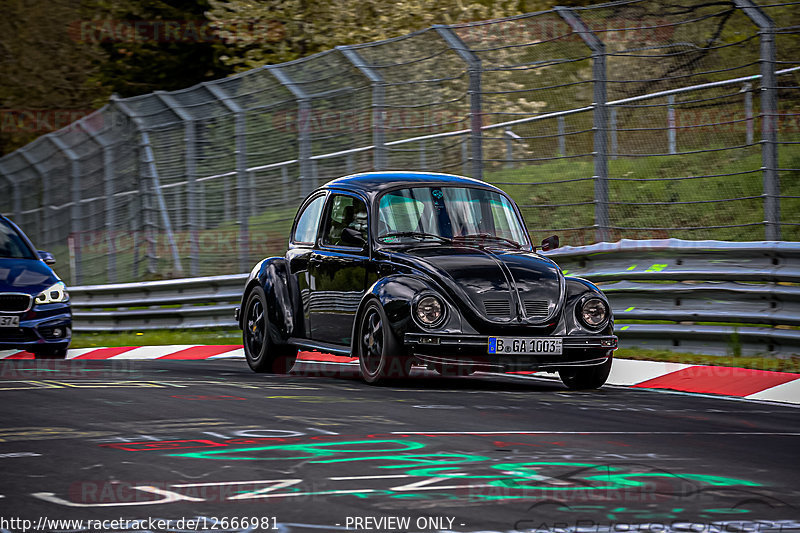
[[635, 119]]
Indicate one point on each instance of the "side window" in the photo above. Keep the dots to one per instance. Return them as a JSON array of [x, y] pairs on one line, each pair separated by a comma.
[[346, 212], [308, 222]]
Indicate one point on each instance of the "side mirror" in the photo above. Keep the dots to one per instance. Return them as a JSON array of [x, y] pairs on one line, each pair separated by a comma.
[[550, 243], [47, 257], [353, 237]]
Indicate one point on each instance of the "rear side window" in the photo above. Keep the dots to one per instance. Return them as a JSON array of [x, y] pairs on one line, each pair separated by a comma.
[[308, 222], [345, 212], [12, 245]]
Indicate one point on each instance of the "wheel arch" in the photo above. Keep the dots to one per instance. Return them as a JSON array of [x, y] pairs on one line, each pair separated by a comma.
[[395, 295], [272, 276]]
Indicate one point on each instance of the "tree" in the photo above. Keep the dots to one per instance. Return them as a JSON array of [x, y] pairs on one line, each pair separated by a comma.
[[274, 31], [48, 77]]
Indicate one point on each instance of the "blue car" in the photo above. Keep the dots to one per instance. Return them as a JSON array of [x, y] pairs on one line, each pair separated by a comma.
[[35, 313]]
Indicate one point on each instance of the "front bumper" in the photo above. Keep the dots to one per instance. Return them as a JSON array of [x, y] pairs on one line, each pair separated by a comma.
[[471, 350], [44, 327]]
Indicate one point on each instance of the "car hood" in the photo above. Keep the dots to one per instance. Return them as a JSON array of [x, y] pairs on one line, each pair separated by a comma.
[[30, 276], [498, 285]]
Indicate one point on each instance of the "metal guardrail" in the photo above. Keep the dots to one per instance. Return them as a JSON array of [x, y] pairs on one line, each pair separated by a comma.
[[711, 297], [205, 302]]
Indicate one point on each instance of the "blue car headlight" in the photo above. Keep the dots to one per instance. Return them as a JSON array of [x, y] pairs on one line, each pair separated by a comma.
[[56, 293]]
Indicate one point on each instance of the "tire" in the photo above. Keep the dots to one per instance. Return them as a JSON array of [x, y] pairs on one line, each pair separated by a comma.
[[586, 377], [58, 352], [380, 356], [262, 353]]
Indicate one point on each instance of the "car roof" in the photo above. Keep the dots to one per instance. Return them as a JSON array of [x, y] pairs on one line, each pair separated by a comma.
[[372, 183]]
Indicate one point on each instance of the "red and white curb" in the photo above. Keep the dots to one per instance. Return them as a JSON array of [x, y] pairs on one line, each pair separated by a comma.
[[729, 381]]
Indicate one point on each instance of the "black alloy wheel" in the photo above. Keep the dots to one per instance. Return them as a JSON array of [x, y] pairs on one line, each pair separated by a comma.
[[58, 352], [262, 353], [379, 353]]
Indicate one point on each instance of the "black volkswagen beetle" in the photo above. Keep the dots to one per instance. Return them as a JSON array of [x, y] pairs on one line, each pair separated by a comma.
[[398, 268]]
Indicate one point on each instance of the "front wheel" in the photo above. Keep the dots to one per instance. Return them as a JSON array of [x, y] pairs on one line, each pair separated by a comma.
[[51, 352], [586, 377], [379, 353], [262, 353]]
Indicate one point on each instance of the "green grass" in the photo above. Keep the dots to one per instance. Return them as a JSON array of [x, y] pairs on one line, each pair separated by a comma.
[[651, 202], [156, 338], [225, 336], [791, 364], [658, 202]]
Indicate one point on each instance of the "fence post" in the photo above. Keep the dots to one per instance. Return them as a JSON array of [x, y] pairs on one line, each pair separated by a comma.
[[152, 187], [600, 118], [303, 125], [671, 139], [769, 115], [243, 192], [475, 107], [562, 139], [189, 138], [44, 227], [747, 89], [379, 160], [108, 190], [16, 203], [509, 148], [464, 157], [75, 211], [613, 128]]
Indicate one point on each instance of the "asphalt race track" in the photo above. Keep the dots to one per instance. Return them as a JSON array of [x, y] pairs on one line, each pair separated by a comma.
[[211, 446]]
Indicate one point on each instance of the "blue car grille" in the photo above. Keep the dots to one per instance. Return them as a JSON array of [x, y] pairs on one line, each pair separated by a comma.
[[8, 335], [14, 303]]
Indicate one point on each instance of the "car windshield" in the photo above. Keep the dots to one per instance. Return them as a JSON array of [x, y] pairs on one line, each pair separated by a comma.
[[11, 244], [449, 213]]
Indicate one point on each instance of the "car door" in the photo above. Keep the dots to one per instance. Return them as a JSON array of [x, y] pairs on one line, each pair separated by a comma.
[[338, 268], [301, 246]]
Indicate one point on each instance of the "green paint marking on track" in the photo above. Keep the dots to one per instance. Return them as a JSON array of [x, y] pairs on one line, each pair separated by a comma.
[[624, 328], [658, 267], [629, 309], [632, 267]]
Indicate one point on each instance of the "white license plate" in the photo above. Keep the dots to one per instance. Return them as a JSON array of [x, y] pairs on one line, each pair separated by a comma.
[[525, 345], [7, 321]]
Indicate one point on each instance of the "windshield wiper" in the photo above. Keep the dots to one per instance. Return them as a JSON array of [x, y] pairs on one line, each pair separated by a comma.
[[488, 236], [417, 234]]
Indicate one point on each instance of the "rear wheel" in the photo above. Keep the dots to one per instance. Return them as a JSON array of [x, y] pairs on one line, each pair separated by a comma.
[[380, 356], [262, 353], [586, 377]]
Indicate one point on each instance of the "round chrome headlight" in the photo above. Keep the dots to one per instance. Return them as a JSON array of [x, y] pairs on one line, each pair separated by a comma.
[[430, 311], [594, 312]]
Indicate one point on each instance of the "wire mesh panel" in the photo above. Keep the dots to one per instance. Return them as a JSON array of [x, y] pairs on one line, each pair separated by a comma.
[[786, 34], [632, 119], [537, 67], [425, 92]]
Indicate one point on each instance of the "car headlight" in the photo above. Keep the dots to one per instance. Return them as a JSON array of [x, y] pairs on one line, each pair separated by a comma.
[[54, 294], [594, 312], [430, 311]]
